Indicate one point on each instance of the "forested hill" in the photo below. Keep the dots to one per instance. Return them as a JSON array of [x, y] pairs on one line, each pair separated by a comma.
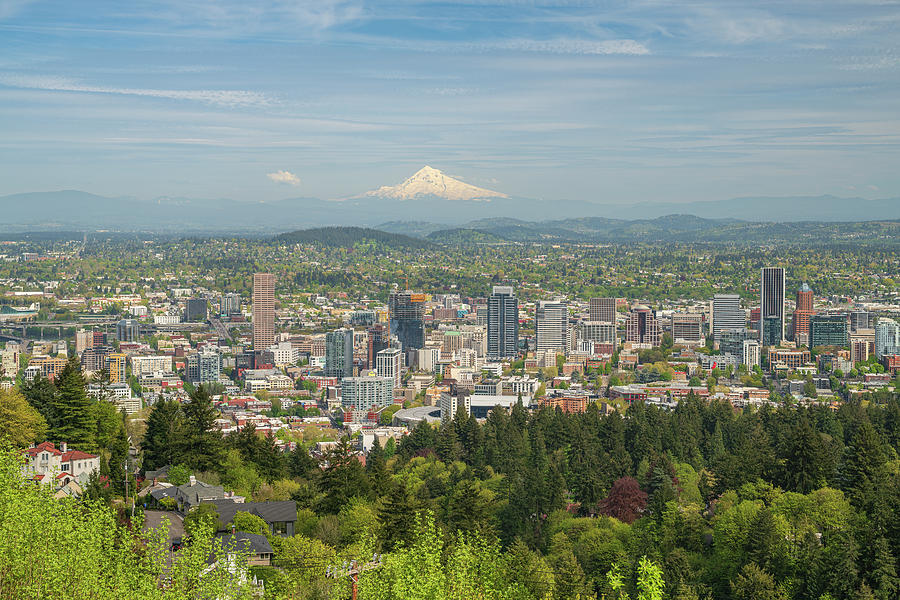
[[671, 228], [350, 236]]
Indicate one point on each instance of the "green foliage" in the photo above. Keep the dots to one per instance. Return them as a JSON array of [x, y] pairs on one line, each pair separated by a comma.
[[201, 520], [244, 521], [59, 549], [178, 474], [20, 423]]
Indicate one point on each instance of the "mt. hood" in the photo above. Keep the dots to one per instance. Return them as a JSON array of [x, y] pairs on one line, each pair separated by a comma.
[[431, 182]]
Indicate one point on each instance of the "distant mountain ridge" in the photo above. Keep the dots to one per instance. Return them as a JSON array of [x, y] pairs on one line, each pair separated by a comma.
[[670, 228], [417, 200]]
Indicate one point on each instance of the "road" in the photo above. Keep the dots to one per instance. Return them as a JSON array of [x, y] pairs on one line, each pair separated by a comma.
[[154, 518], [220, 328]]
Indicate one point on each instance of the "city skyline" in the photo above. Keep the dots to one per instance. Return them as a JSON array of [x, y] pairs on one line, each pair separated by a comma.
[[576, 101]]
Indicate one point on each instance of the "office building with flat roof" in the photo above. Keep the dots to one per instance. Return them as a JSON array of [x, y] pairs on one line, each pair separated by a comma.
[[263, 311], [503, 323], [339, 353], [771, 306], [603, 309], [726, 315], [551, 325]]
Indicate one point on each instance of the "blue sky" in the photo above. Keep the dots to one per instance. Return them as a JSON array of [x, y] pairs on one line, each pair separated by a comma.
[[600, 101]]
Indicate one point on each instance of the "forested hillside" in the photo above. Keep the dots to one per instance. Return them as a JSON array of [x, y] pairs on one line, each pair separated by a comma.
[[349, 237], [787, 503]]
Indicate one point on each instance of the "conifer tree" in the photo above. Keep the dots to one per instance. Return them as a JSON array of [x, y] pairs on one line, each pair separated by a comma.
[[202, 446], [376, 468], [73, 416], [41, 394], [884, 574], [164, 435]]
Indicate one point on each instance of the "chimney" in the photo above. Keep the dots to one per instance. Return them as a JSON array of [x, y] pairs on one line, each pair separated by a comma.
[[193, 480], [62, 447]]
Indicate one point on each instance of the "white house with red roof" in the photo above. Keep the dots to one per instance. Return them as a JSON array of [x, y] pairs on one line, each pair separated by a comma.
[[46, 463]]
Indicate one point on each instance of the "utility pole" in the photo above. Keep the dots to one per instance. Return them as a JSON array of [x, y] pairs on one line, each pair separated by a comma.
[[352, 570], [126, 486]]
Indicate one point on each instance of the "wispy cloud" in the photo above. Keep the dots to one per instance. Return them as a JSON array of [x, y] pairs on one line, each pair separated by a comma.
[[574, 46], [284, 177], [227, 98], [9, 8], [242, 18]]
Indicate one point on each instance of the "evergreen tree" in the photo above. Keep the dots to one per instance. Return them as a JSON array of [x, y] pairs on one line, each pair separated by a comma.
[[754, 583], [162, 441], [531, 570], [467, 509], [343, 477], [202, 446], [585, 469], [841, 554], [301, 463], [398, 518], [864, 466], [41, 394], [762, 541], [376, 468], [803, 459], [73, 415], [270, 460], [884, 574], [569, 579], [448, 447]]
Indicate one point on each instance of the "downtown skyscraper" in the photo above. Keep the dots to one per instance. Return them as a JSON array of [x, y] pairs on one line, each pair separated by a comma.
[[551, 325], [263, 311], [771, 313], [727, 315], [503, 323], [407, 317]]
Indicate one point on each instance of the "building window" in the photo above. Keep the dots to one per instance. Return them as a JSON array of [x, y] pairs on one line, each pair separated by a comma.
[[65, 466], [279, 527]]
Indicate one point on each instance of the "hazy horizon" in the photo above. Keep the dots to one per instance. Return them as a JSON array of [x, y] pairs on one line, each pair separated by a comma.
[[603, 103]]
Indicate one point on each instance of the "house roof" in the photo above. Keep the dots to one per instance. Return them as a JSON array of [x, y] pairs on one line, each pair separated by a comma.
[[199, 492], [163, 492], [43, 447], [77, 455], [161, 472], [270, 512], [245, 542], [52, 449]]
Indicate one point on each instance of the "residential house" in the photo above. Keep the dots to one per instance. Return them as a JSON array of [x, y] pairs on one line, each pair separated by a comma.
[[45, 462], [281, 517]]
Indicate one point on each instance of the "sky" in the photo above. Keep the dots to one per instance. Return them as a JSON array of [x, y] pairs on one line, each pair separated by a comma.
[[610, 102]]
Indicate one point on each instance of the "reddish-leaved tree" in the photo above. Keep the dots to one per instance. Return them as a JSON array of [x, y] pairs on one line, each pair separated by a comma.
[[626, 500]]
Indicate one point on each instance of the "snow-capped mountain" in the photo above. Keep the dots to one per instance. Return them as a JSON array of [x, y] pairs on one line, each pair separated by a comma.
[[431, 182]]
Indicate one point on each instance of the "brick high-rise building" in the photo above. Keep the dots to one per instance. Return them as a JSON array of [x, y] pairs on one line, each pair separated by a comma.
[[804, 298], [263, 311], [603, 309], [802, 314]]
